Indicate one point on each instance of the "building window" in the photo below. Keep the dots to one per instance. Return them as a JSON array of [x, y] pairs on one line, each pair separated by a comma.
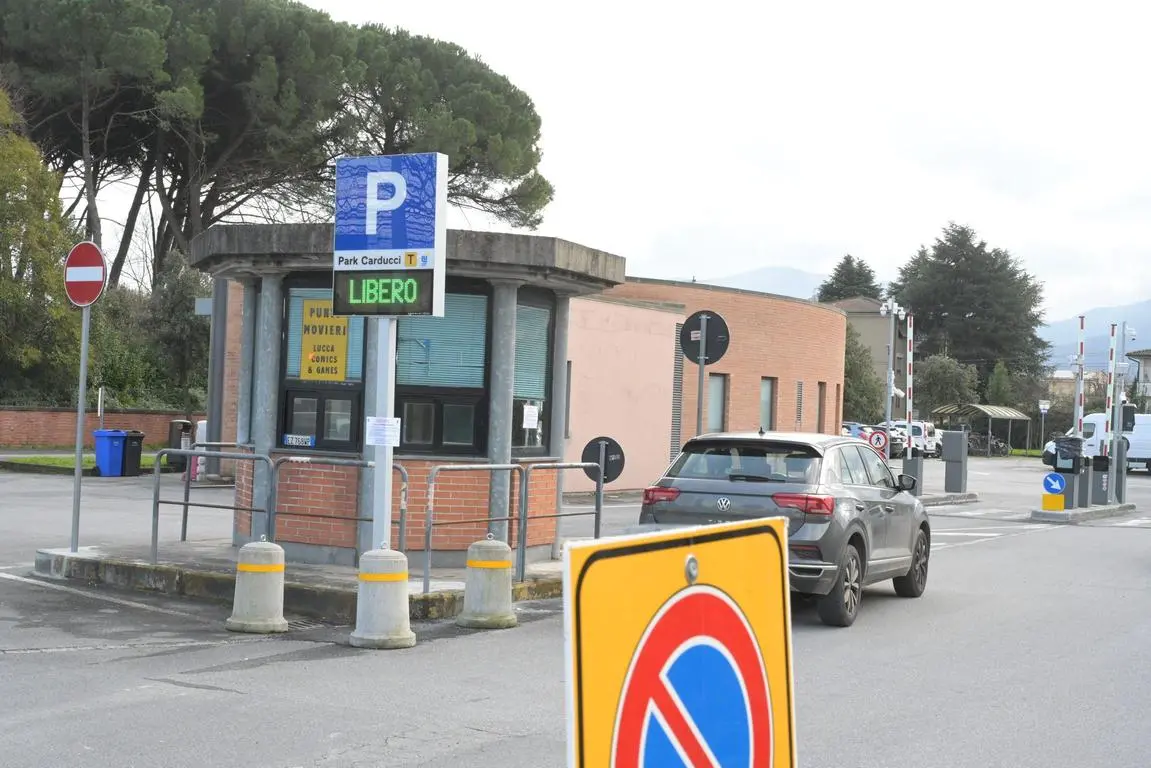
[[821, 407], [322, 392], [532, 373], [441, 377], [798, 405], [767, 403], [716, 402]]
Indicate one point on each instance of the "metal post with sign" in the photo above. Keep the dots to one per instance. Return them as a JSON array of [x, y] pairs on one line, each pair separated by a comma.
[[389, 260], [85, 274], [1044, 407], [704, 339]]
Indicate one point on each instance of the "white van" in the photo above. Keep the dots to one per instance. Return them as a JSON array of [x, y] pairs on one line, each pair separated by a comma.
[[1095, 433], [923, 437]]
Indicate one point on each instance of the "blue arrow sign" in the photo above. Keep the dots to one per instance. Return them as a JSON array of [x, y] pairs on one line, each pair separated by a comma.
[[1054, 482]]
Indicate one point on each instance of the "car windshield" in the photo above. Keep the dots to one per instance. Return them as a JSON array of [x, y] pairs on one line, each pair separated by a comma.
[[753, 461]]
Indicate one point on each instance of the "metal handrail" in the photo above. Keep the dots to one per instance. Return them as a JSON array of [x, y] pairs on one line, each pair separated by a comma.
[[429, 512], [188, 481], [157, 501], [522, 535]]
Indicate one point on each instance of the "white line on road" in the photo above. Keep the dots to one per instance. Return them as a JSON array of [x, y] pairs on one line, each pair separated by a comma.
[[997, 538], [95, 596]]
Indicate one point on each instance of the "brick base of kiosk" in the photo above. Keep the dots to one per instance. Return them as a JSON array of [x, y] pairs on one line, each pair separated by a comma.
[[333, 492]]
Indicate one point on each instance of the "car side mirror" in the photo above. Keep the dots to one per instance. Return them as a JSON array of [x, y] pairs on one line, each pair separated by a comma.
[[905, 483]]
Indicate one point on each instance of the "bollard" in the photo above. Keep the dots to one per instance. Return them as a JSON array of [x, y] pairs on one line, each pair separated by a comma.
[[258, 605], [382, 613], [488, 587]]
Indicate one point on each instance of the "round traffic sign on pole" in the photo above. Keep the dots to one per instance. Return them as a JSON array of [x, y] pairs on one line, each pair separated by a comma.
[[878, 440], [718, 337], [85, 274], [613, 458], [666, 717]]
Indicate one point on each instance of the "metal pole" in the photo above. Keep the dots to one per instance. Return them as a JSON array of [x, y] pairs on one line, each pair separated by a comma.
[[908, 393], [522, 524], [1112, 417], [82, 395], [382, 454], [100, 406], [1079, 400], [156, 506], [1117, 472], [890, 378], [428, 513], [599, 482], [702, 377], [1042, 430]]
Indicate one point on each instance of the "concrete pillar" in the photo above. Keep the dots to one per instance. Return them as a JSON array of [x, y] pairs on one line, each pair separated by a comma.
[[217, 350], [266, 388], [367, 476], [247, 357], [501, 393], [559, 395]]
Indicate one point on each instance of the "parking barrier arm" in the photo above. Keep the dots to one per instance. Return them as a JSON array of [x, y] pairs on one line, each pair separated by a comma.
[[430, 505], [522, 535]]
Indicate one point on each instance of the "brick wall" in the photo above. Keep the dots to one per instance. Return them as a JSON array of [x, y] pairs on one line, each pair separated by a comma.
[[332, 492], [771, 336], [56, 427]]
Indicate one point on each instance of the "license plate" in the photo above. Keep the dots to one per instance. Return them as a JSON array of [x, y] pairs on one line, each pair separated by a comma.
[[299, 441]]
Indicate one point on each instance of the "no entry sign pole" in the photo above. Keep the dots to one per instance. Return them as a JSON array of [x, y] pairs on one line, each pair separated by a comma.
[[85, 272], [702, 374]]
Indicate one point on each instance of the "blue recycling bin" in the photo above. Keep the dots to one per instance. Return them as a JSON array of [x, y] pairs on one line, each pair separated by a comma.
[[110, 452]]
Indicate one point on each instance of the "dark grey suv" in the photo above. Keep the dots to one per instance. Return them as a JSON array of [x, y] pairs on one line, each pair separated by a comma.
[[851, 522]]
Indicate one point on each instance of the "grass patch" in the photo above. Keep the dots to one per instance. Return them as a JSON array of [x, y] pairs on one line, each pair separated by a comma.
[[1036, 452], [88, 461]]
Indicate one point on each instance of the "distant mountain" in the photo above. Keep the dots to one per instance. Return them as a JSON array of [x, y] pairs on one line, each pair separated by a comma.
[[784, 281], [1064, 334]]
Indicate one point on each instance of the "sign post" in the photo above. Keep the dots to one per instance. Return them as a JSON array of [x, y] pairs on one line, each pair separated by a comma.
[[704, 339], [85, 273], [1044, 407], [692, 664], [389, 260]]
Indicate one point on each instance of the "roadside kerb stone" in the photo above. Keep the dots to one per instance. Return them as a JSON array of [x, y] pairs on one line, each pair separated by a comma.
[[326, 603], [946, 499], [1080, 514]]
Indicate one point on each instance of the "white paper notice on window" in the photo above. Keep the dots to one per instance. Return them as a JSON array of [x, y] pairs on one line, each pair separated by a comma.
[[382, 430], [531, 416]]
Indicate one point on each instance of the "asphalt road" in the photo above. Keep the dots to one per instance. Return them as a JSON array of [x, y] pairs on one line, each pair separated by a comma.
[[1028, 649]]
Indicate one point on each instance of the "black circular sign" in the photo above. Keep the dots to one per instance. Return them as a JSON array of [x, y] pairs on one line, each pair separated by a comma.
[[718, 337], [613, 459]]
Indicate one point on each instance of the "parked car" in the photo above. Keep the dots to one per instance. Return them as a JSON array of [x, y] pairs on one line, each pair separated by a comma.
[[851, 523], [923, 437], [1095, 433]]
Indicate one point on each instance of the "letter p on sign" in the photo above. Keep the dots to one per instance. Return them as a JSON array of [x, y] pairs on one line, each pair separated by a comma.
[[375, 205]]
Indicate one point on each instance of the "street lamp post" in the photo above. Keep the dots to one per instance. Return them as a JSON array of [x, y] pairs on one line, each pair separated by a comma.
[[890, 309]]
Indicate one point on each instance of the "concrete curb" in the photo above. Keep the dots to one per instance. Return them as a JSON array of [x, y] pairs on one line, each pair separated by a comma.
[[1072, 516], [939, 500], [331, 604]]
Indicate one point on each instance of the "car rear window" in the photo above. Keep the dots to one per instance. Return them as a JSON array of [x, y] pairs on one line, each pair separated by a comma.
[[751, 461]]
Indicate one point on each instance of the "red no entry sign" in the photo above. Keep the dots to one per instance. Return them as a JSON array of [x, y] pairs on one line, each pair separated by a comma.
[[85, 273], [697, 692]]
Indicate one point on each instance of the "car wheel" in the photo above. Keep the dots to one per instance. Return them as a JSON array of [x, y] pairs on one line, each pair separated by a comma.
[[915, 581], [839, 607]]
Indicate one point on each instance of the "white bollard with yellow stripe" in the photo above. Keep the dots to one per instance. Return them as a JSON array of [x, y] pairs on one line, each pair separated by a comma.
[[258, 605], [488, 587], [382, 613]]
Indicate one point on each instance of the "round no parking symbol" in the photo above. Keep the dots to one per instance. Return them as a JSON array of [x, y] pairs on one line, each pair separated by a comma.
[[696, 694]]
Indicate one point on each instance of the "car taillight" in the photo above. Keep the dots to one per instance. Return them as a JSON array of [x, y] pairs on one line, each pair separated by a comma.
[[656, 494], [806, 503]]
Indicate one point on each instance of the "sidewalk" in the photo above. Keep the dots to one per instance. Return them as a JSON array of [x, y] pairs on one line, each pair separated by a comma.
[[207, 570]]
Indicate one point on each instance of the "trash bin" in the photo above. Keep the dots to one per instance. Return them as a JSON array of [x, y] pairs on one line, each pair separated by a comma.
[[133, 450], [1068, 454], [177, 428], [109, 452]]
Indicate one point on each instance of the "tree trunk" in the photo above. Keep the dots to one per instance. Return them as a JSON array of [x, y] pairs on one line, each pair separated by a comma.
[[94, 229], [130, 224]]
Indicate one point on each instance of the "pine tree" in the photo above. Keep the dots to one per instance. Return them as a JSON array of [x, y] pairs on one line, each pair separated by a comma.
[[851, 277]]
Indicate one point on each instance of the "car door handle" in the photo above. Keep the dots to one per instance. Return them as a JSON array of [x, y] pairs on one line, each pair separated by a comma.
[[860, 507], [888, 508]]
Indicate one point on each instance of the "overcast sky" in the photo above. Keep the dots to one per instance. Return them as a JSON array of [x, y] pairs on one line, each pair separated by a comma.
[[721, 138]]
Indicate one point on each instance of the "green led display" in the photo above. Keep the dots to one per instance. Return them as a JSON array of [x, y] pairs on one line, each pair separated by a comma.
[[392, 292]]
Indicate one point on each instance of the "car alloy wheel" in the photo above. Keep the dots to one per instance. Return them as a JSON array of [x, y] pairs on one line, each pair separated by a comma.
[[919, 562], [852, 583]]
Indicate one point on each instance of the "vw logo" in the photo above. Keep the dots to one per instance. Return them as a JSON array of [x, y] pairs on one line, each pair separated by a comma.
[[724, 504]]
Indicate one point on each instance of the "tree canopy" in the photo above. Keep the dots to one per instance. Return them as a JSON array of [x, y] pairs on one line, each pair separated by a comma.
[[942, 380], [999, 387], [974, 303], [851, 277], [863, 390], [226, 110]]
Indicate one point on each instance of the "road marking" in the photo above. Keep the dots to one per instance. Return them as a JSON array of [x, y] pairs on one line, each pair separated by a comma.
[[95, 596], [953, 545], [131, 646]]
